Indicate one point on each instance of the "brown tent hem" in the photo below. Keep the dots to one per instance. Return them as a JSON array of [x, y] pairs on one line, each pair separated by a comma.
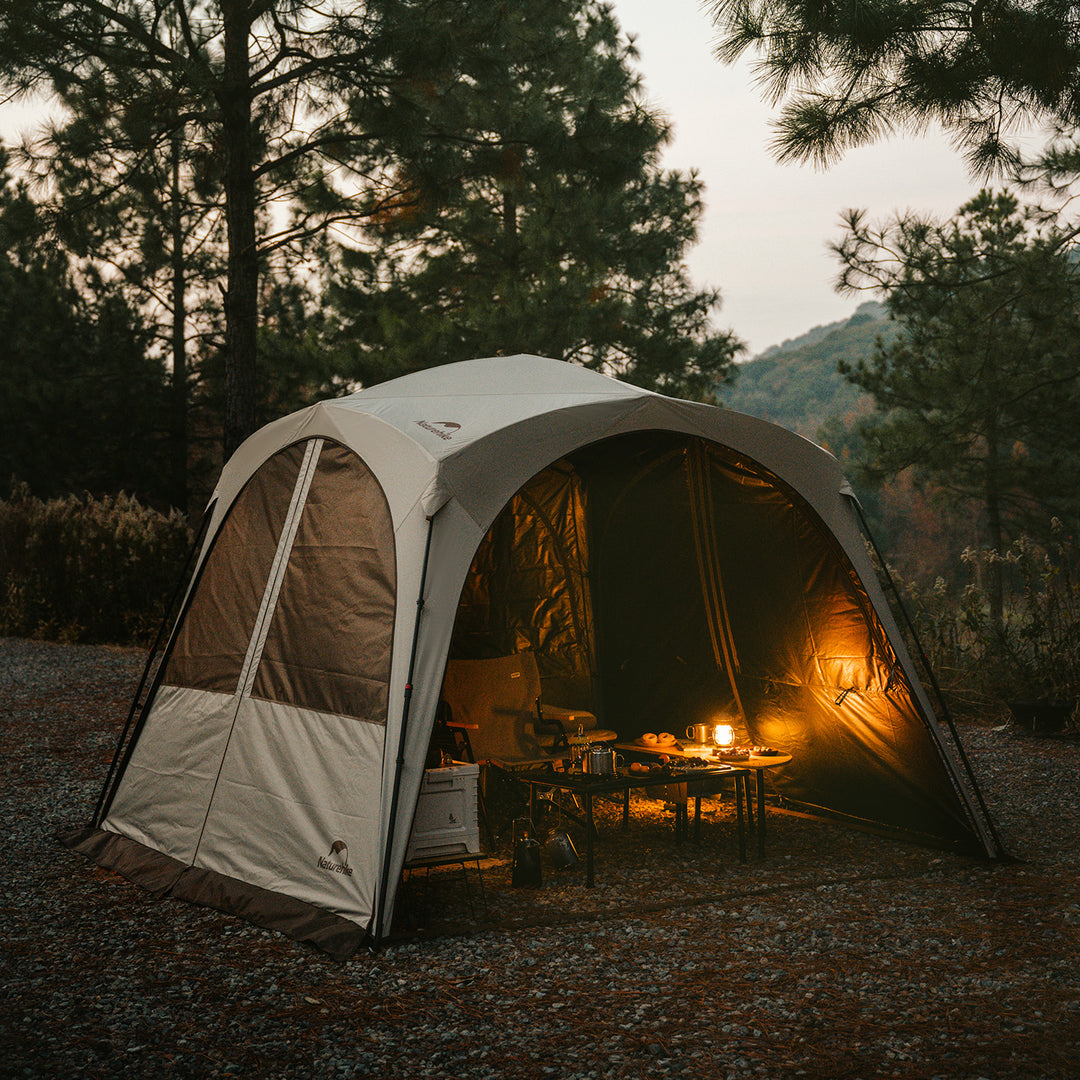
[[163, 876], [961, 844]]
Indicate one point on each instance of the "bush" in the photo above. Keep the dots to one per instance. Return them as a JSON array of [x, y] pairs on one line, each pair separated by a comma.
[[1034, 654], [79, 569]]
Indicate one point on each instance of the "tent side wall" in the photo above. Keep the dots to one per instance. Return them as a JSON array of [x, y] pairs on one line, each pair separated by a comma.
[[259, 768]]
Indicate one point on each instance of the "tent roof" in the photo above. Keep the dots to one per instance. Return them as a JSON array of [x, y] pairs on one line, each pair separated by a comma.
[[444, 432]]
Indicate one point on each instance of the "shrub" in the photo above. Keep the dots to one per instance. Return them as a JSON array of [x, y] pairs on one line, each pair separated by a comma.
[[1034, 654], [80, 569]]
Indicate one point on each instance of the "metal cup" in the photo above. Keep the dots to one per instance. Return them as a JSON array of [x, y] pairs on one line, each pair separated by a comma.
[[699, 733]]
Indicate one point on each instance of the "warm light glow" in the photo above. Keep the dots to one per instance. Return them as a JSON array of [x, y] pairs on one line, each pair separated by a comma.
[[724, 736]]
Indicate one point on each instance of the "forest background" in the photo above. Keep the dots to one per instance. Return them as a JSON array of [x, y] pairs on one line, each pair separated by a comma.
[[240, 208]]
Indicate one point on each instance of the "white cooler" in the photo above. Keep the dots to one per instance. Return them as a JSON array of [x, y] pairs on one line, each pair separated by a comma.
[[447, 821]]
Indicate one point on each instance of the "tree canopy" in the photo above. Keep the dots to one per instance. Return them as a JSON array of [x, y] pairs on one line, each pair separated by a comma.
[[82, 403], [850, 73], [546, 226], [979, 390], [259, 88], [273, 121]]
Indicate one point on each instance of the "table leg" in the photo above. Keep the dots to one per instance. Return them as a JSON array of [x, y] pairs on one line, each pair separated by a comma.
[[761, 813], [626, 809], [697, 820], [589, 830], [740, 788]]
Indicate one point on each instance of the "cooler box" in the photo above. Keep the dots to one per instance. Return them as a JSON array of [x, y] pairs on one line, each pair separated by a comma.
[[446, 821]]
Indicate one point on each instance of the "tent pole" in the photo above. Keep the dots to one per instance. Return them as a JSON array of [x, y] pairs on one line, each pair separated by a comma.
[[945, 710], [383, 890], [105, 798]]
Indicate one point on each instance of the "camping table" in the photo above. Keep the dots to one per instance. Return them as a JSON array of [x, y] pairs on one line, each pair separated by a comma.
[[587, 786], [742, 769]]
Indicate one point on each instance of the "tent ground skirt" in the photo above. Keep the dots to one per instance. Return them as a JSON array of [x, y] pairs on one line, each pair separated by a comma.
[[163, 876]]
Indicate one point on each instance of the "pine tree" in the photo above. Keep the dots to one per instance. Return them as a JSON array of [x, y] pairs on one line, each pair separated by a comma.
[[850, 73], [545, 226], [82, 404], [260, 88], [979, 391], [131, 195]]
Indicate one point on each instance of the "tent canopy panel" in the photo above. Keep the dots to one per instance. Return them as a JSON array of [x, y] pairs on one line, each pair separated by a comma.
[[294, 807], [212, 639], [169, 780], [714, 593]]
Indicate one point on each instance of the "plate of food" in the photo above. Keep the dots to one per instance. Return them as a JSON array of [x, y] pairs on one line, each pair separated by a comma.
[[654, 740], [745, 753], [736, 753]]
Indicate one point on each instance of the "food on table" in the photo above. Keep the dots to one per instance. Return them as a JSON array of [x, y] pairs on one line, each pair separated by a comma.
[[641, 768], [665, 738], [648, 739], [742, 753], [736, 753]]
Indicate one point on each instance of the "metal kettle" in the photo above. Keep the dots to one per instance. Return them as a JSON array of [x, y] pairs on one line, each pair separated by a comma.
[[599, 760]]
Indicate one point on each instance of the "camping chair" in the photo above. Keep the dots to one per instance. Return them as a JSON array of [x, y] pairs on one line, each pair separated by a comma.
[[493, 702], [495, 708]]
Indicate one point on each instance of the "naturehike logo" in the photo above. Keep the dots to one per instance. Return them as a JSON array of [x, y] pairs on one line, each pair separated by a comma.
[[443, 428], [338, 859]]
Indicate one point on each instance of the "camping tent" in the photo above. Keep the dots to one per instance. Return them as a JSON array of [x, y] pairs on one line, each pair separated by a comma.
[[666, 562]]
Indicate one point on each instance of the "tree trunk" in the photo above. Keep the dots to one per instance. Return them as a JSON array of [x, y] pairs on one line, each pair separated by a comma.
[[242, 290], [178, 440]]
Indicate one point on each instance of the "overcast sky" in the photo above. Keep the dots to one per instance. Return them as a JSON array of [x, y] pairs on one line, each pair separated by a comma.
[[767, 226]]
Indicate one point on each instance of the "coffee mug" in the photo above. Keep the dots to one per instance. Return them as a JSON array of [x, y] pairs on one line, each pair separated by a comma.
[[699, 733]]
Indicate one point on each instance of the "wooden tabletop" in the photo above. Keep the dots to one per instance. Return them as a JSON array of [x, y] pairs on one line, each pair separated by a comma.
[[686, 749]]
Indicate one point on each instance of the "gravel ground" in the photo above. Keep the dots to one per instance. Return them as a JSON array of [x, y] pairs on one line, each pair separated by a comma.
[[841, 955]]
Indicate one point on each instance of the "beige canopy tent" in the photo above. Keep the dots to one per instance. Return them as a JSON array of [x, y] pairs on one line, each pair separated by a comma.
[[666, 563]]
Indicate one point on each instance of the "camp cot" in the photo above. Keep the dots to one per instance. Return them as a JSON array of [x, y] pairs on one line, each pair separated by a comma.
[[666, 562]]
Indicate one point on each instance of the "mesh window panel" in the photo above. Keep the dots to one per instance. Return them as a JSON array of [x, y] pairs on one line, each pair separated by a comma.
[[329, 643], [213, 638]]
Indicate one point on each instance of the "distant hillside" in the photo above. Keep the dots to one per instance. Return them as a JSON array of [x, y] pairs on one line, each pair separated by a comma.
[[796, 384]]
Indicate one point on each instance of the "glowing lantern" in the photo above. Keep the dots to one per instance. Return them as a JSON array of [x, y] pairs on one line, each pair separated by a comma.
[[724, 736]]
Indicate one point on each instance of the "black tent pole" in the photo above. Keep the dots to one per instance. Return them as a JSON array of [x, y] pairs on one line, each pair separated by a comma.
[[946, 712], [381, 894], [166, 620]]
